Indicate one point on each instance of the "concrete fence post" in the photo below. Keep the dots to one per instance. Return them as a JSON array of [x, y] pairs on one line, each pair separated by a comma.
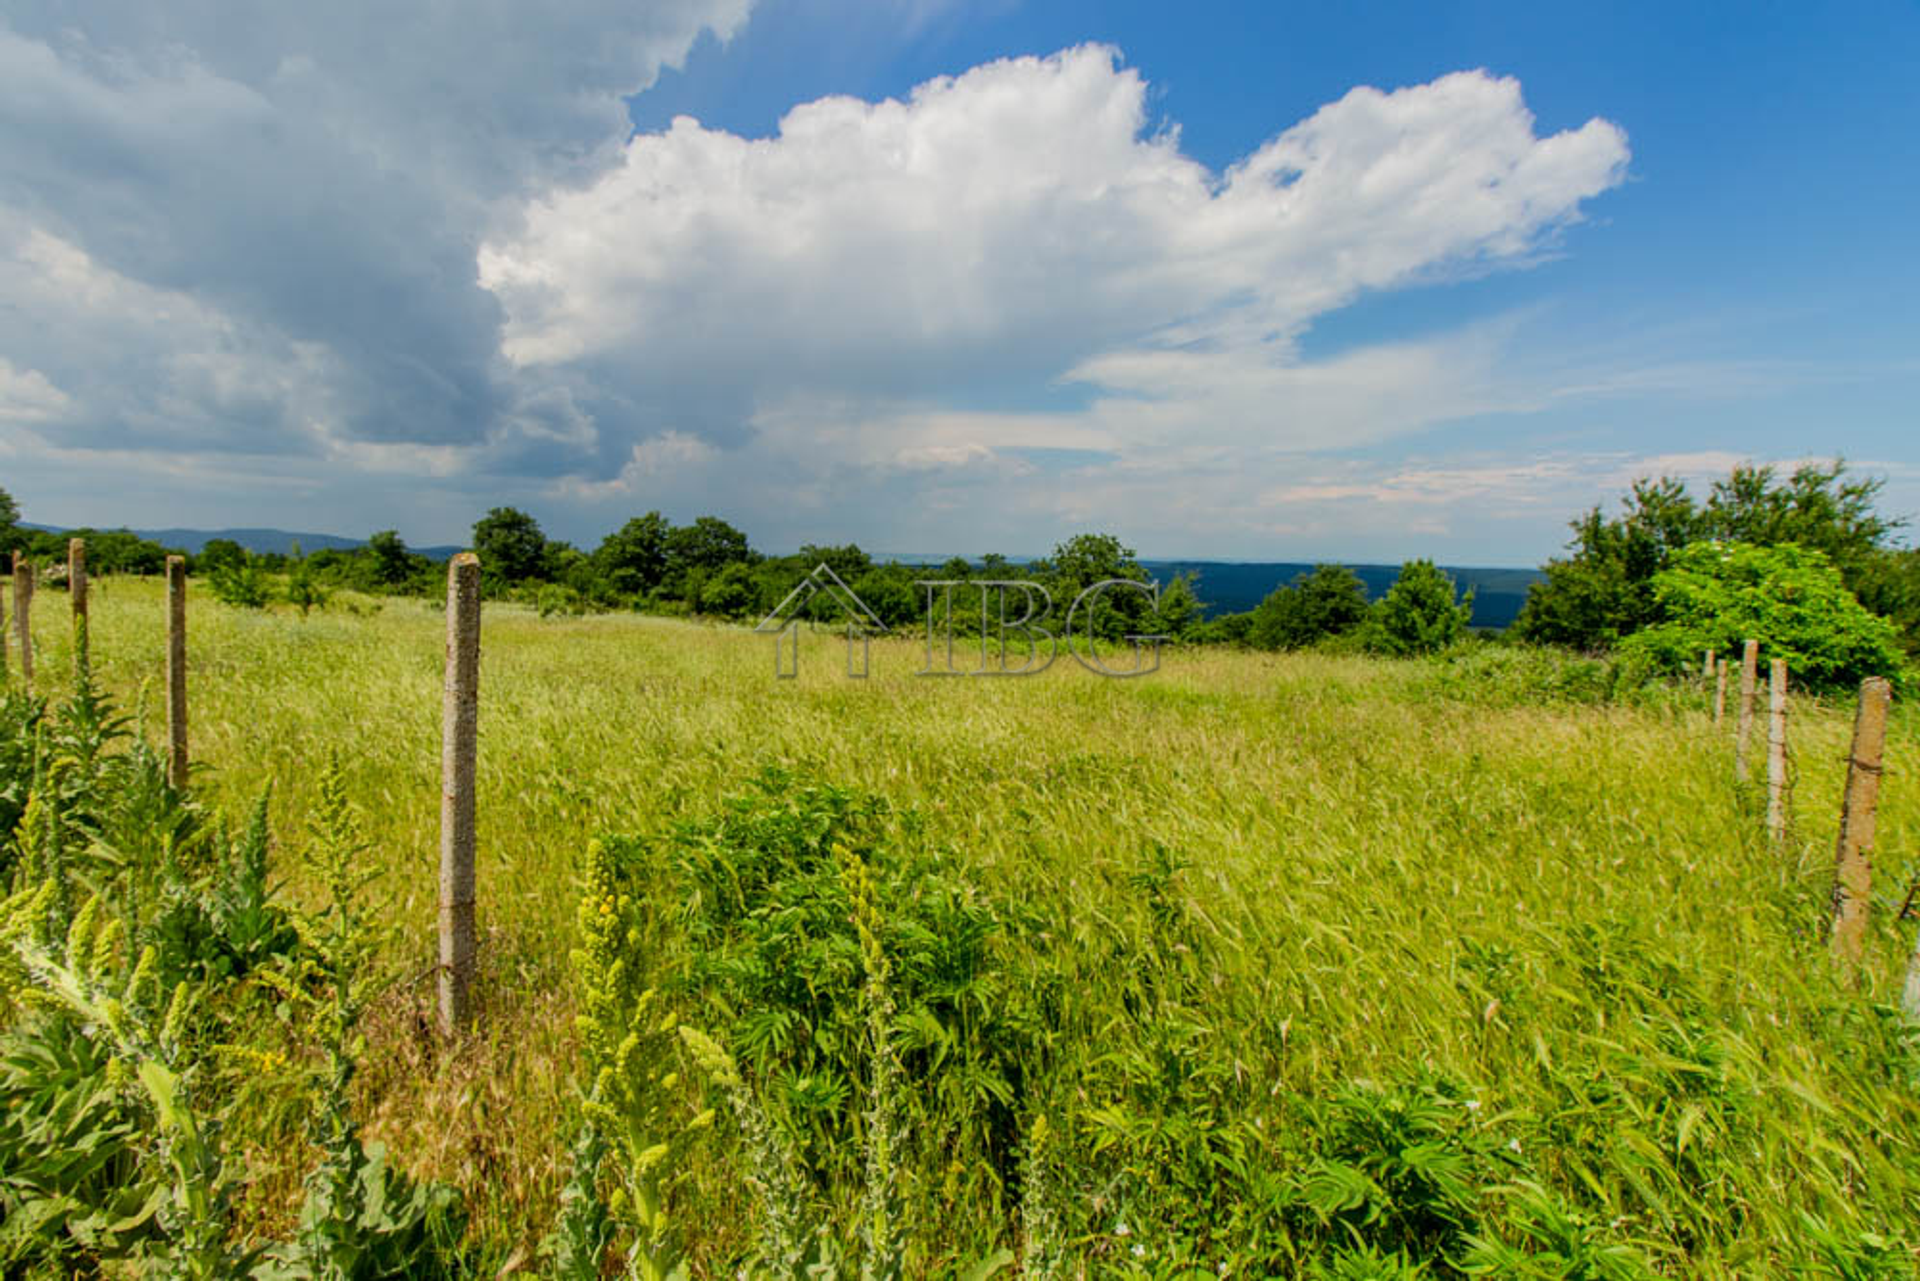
[[77, 598], [1853, 856], [23, 614], [459, 726], [1743, 734], [177, 670], [1777, 750]]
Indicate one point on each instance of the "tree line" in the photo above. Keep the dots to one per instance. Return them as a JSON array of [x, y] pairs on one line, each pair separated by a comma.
[[1806, 558]]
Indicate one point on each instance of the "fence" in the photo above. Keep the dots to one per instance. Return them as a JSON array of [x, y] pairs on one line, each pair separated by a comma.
[[1853, 856]]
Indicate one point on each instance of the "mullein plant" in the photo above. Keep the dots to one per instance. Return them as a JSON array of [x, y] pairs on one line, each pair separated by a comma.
[[794, 1242], [880, 1252], [1040, 1227], [625, 1137], [360, 1218], [85, 977], [788, 1247]]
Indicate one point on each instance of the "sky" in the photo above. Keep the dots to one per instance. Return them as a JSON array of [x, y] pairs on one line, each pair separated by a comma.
[[1231, 281]]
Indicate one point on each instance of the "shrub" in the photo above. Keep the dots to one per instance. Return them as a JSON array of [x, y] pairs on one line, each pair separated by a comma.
[[1328, 602], [553, 599], [304, 589], [241, 582], [1518, 675], [729, 593], [1790, 598], [1418, 614]]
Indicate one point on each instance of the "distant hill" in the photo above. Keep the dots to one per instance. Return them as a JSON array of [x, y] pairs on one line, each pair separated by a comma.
[[281, 541], [1224, 587], [1228, 587]]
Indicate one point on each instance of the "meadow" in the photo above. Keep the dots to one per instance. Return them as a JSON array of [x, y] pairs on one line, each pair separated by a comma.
[[1264, 964]]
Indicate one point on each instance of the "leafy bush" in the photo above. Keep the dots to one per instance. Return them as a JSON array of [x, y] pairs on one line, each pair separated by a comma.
[[1418, 614], [240, 581], [833, 966], [775, 956], [1790, 598], [1521, 675], [729, 592], [554, 600], [304, 587], [1328, 602]]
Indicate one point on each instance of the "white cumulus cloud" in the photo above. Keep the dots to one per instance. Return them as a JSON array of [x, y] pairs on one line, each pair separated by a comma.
[[1023, 221]]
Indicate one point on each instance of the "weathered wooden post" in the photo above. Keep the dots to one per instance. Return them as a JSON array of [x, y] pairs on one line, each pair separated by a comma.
[[77, 598], [1706, 667], [177, 670], [1743, 735], [1777, 750], [23, 613], [1720, 693], [459, 725], [6, 648], [1853, 857]]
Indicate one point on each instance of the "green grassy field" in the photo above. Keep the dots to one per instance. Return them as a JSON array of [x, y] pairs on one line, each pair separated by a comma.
[[1309, 962]]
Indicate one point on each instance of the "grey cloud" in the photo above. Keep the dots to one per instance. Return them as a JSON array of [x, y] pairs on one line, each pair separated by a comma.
[[313, 183]]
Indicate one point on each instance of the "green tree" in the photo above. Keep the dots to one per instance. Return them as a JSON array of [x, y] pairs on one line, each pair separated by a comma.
[[1329, 601], [849, 561], [392, 563], [218, 552], [241, 582], [730, 592], [890, 594], [696, 552], [1604, 590], [1818, 507], [1790, 598], [1178, 611], [304, 587], [709, 543], [510, 545], [632, 560], [9, 522], [1889, 585], [1086, 559], [1418, 614]]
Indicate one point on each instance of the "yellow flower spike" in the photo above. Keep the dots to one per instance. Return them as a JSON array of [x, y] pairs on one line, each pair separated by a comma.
[[701, 1120], [143, 972], [80, 937]]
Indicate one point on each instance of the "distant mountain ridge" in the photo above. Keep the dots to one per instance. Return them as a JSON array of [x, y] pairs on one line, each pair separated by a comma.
[[1225, 587], [281, 541], [1230, 587]]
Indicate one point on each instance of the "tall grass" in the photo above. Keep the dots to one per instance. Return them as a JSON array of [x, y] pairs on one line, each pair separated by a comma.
[[1331, 963]]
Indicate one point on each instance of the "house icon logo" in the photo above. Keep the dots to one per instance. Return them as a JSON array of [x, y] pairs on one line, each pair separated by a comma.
[[783, 623]]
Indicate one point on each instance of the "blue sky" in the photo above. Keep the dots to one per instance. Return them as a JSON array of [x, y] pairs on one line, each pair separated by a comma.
[[938, 276]]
